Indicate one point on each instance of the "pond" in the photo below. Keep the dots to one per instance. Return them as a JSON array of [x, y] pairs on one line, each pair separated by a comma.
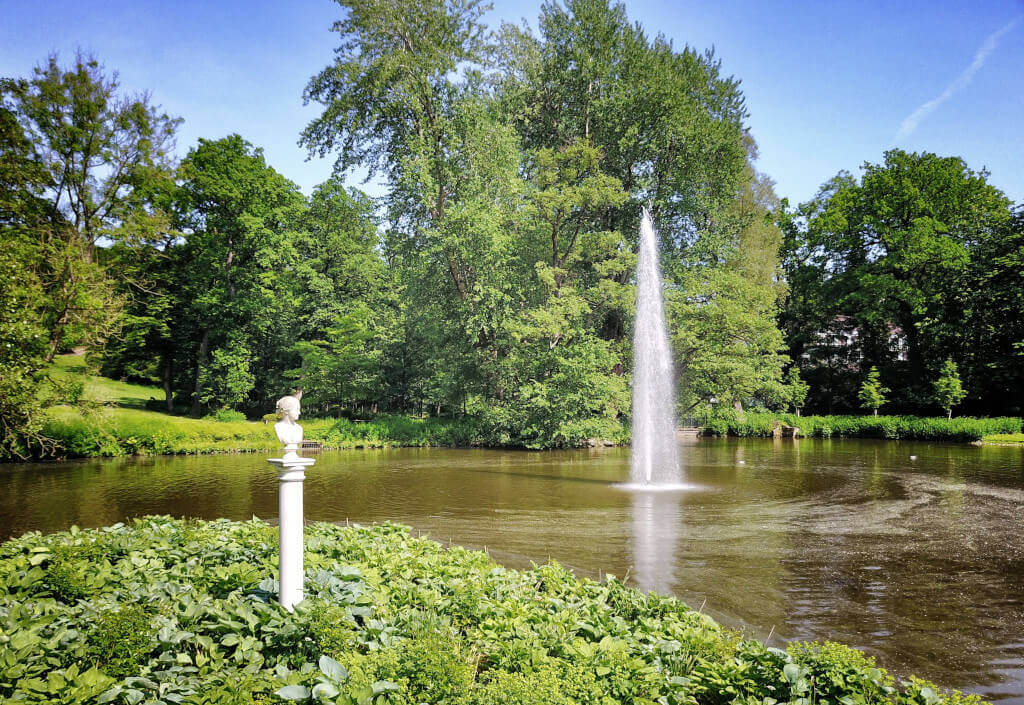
[[911, 551]]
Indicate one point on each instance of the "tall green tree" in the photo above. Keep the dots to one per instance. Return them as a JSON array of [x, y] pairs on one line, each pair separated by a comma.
[[992, 351], [670, 127], [347, 311], [239, 218], [872, 393], [948, 390], [890, 262], [93, 150], [668, 122]]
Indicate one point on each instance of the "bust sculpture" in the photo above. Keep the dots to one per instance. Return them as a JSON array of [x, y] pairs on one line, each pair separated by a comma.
[[288, 431]]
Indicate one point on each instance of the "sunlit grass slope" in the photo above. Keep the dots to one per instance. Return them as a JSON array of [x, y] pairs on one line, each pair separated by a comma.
[[120, 424]]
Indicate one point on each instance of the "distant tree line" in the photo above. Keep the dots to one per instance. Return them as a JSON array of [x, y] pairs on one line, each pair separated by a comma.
[[916, 270], [494, 278]]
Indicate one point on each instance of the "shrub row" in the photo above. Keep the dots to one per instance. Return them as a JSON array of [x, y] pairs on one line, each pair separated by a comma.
[[760, 425], [167, 611]]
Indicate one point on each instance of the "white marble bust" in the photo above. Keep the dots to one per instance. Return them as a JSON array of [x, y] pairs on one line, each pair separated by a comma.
[[288, 431]]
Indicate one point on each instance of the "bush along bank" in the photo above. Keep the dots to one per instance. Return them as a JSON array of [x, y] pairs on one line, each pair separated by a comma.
[[120, 432], [166, 611], [760, 425]]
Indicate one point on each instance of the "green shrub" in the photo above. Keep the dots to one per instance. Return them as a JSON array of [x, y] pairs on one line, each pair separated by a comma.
[[752, 424], [834, 671], [227, 415], [544, 686], [427, 668], [332, 629], [120, 640]]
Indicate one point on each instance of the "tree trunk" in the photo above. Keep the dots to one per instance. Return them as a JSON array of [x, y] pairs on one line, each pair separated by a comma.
[[200, 361], [949, 414], [56, 336], [876, 412], [168, 392]]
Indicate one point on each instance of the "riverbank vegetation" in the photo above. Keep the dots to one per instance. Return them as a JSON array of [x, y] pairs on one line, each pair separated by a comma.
[[167, 611], [765, 425], [111, 418], [1004, 439], [492, 281]]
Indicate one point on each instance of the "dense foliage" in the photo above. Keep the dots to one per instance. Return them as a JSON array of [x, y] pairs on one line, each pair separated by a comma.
[[764, 425], [167, 611], [140, 432], [492, 281], [916, 262]]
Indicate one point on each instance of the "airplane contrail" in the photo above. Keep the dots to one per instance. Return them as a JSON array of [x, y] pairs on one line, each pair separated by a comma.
[[911, 122]]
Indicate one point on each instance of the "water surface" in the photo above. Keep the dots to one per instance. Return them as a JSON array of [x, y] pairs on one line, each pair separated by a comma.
[[919, 562]]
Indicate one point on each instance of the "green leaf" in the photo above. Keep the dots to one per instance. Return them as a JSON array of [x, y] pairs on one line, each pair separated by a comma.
[[333, 670], [109, 695], [324, 690], [384, 687], [293, 692]]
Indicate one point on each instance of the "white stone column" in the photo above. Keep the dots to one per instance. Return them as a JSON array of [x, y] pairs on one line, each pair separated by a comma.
[[291, 473]]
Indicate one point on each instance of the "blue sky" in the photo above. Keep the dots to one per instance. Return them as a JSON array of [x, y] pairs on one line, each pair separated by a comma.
[[829, 85]]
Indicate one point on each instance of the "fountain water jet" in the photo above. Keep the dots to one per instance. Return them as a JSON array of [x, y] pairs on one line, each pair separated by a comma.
[[655, 456]]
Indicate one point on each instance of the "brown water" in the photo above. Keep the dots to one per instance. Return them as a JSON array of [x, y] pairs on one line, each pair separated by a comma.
[[919, 562]]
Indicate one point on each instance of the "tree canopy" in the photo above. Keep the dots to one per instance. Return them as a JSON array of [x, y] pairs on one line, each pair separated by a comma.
[[495, 277]]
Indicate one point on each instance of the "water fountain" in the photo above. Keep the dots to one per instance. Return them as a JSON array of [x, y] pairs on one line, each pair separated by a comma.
[[655, 456]]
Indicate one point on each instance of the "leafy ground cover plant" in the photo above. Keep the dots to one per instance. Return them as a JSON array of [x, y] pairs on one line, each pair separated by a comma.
[[173, 611]]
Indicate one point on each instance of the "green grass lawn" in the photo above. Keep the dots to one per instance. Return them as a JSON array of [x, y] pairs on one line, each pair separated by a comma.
[[1004, 439], [103, 389]]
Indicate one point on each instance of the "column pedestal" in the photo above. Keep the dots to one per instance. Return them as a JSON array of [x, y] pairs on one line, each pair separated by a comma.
[[291, 473]]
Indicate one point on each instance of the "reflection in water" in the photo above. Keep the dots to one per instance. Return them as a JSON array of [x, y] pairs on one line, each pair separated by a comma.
[[920, 563], [656, 530]]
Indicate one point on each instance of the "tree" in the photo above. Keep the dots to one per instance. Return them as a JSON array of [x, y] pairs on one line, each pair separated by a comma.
[[992, 353], [21, 358], [668, 122], [346, 308], [796, 389], [92, 152], [238, 217], [872, 393], [670, 127], [896, 258], [948, 390]]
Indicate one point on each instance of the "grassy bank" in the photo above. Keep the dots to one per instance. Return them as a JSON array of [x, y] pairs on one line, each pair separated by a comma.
[[1004, 439], [760, 425], [167, 611], [121, 424], [122, 421], [116, 432]]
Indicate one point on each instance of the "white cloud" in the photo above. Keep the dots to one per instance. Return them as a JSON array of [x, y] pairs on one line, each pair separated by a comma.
[[911, 122]]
